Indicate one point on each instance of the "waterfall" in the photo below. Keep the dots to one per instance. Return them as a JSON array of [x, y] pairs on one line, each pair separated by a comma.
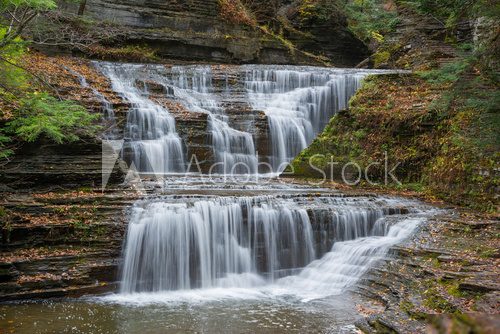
[[239, 241], [150, 134], [307, 245], [214, 242], [348, 260], [234, 149], [298, 103], [108, 111]]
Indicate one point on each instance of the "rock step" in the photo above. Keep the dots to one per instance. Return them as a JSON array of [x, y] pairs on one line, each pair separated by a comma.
[[71, 291], [194, 7]]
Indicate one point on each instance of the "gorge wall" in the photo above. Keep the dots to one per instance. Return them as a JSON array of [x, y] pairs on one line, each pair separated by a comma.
[[195, 30]]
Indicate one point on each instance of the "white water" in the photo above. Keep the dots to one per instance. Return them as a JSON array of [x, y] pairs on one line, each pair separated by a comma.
[[150, 131], [347, 261], [332, 274], [246, 247], [298, 103], [234, 149], [220, 242]]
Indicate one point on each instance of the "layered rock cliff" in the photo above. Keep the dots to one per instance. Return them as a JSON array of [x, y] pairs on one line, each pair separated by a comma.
[[196, 30]]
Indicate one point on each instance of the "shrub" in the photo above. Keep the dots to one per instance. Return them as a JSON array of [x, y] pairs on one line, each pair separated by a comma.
[[235, 12], [369, 20], [320, 11], [449, 73]]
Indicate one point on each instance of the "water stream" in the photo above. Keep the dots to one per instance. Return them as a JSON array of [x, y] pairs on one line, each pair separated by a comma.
[[150, 134]]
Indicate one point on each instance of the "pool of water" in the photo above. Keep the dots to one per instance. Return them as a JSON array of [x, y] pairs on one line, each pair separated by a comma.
[[335, 314]]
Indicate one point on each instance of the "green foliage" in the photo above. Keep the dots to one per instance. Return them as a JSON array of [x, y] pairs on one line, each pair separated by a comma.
[[11, 76], [15, 15], [59, 121], [33, 4], [451, 12], [490, 252], [381, 57], [4, 150], [368, 19], [319, 11], [31, 114], [449, 73], [436, 302]]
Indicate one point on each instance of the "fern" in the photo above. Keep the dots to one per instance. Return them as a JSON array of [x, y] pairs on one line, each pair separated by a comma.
[[60, 121]]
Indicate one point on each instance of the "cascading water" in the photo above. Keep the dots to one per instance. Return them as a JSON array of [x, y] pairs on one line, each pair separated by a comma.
[[214, 242], [108, 112], [348, 260], [234, 149], [249, 242], [150, 135], [298, 103], [300, 244]]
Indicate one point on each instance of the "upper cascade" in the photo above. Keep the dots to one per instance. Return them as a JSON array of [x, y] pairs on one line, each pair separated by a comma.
[[296, 103], [150, 134], [234, 149]]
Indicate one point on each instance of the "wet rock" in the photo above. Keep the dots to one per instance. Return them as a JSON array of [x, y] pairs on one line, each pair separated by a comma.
[[153, 87]]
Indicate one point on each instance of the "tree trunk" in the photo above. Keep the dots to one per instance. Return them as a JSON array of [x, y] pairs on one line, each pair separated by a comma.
[[81, 9]]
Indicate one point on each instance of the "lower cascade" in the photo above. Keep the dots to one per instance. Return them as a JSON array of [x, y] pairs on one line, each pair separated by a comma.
[[301, 243]]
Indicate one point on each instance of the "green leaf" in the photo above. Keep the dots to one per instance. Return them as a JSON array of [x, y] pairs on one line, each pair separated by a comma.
[[59, 121]]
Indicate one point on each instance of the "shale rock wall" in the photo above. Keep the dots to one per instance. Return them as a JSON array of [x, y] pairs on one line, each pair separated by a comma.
[[194, 30]]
